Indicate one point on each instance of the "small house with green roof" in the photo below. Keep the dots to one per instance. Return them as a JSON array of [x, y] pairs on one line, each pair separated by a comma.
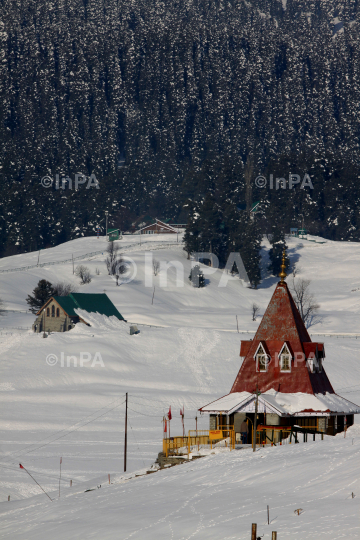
[[58, 314]]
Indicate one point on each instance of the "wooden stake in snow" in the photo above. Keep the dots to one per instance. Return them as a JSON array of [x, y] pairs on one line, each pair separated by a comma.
[[8, 497], [22, 467], [253, 531], [237, 324], [60, 476], [268, 513], [70, 483], [109, 478], [152, 301], [274, 535], [125, 441]]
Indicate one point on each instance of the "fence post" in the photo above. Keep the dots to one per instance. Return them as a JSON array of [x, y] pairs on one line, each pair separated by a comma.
[[253, 531], [274, 535]]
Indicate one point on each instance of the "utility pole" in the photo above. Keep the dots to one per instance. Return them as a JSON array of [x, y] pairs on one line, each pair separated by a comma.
[[255, 419], [106, 214], [125, 443]]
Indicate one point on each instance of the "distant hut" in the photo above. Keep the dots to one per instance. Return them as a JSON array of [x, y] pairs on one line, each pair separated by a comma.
[[58, 313]]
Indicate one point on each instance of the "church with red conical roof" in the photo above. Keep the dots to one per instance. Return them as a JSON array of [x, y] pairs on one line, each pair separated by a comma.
[[284, 371]]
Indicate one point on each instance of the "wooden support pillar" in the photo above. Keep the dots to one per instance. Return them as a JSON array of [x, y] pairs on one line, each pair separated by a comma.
[[253, 531]]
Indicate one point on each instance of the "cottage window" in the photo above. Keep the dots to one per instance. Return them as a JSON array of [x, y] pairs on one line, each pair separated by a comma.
[[57, 312], [285, 359], [261, 359], [48, 312], [53, 311]]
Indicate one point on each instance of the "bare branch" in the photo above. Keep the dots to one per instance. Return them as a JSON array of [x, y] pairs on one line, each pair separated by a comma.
[[156, 267], [305, 301], [255, 311], [83, 273]]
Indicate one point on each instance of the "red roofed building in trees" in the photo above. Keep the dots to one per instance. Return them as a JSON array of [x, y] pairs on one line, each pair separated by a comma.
[[285, 369]]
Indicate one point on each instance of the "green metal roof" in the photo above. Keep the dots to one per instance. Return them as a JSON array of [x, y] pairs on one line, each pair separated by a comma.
[[91, 303], [67, 304]]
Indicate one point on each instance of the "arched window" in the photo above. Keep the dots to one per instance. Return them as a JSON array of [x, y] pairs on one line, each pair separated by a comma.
[[285, 359], [48, 312], [57, 312], [261, 359], [53, 310]]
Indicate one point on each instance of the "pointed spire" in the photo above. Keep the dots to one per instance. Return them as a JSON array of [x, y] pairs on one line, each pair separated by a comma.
[[283, 274]]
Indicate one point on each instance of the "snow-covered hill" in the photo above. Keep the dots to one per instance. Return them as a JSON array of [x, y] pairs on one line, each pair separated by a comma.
[[189, 356]]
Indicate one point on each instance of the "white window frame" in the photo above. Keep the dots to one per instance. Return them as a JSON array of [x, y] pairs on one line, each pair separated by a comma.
[[257, 359], [282, 370]]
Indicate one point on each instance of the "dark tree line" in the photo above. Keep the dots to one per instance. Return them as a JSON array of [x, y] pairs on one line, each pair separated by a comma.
[[165, 102]]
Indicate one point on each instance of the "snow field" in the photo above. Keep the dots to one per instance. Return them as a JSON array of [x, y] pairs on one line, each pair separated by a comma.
[[190, 359]]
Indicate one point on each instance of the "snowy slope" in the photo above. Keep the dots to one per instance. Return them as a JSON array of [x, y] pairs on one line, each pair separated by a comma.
[[219, 496], [190, 358]]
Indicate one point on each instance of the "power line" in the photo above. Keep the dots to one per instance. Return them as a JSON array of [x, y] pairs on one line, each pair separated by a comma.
[[21, 452]]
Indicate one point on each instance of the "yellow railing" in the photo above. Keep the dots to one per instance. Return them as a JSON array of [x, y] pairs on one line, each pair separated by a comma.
[[272, 435], [199, 438]]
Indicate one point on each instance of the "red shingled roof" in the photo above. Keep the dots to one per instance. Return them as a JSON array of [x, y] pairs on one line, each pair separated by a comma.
[[282, 323]]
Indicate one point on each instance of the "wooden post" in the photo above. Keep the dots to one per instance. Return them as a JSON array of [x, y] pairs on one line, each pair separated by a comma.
[[70, 483], [152, 301], [60, 476], [125, 442], [255, 419], [268, 514], [237, 324], [8, 498], [109, 478], [274, 535], [253, 531]]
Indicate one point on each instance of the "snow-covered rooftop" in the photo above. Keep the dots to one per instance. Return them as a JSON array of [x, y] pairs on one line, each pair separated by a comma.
[[283, 404]]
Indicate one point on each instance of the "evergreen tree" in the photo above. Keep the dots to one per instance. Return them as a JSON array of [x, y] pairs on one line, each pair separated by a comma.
[[276, 252], [41, 294]]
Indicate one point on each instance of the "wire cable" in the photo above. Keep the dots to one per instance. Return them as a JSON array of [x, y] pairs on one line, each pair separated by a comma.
[[69, 431]]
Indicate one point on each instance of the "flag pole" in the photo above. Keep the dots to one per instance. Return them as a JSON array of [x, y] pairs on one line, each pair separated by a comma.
[[22, 467]]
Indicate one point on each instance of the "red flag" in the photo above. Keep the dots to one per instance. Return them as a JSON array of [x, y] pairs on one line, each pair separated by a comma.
[[165, 426], [21, 467], [169, 413]]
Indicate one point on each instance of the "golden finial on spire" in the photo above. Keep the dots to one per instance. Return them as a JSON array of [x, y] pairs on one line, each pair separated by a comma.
[[283, 274]]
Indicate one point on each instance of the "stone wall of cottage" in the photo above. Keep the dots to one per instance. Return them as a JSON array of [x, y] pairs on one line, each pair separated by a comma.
[[54, 319]]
